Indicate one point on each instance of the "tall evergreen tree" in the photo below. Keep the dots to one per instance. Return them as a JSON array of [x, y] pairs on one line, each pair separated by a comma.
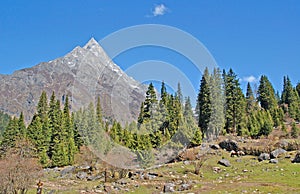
[[217, 97], [21, 125], [67, 127], [235, 103], [290, 97], [11, 134], [250, 100], [204, 103], [179, 93], [266, 94], [150, 101], [163, 93]]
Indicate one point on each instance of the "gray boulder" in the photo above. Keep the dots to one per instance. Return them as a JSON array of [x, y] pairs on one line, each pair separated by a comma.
[[229, 145], [263, 156], [169, 187], [93, 178], [67, 171], [224, 162], [274, 161], [277, 152], [297, 158], [81, 175]]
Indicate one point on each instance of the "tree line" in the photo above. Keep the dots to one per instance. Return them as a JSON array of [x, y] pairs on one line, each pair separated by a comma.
[[164, 119], [223, 108]]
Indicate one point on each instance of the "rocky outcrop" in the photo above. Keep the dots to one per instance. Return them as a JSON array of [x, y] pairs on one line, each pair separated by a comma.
[[83, 74], [229, 145]]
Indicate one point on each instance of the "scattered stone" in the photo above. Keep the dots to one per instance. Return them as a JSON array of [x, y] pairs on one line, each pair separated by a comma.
[[81, 175], [274, 161], [263, 156], [297, 158], [277, 152], [184, 187], [224, 162], [214, 146], [217, 169], [186, 162], [245, 170], [169, 187], [94, 178]]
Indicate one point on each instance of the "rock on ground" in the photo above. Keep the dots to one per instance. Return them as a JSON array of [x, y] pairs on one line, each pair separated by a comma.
[[297, 158], [229, 145], [224, 162], [169, 187], [277, 152], [274, 161], [263, 156]]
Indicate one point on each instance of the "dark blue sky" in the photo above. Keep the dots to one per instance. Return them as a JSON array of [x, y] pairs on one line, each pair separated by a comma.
[[253, 37]]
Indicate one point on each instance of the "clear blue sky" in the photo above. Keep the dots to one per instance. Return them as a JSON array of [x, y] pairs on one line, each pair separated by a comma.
[[253, 37]]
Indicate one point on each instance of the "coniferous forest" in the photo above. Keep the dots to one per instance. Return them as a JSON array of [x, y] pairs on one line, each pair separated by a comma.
[[222, 108]]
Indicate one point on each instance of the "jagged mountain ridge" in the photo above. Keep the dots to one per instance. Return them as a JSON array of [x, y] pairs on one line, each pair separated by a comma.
[[83, 74]]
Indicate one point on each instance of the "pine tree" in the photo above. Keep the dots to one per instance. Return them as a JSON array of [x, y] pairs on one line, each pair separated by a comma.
[[204, 103], [37, 136], [150, 101], [10, 135], [250, 100], [217, 118], [266, 94], [235, 103], [163, 93], [67, 127], [179, 93], [21, 125], [291, 98]]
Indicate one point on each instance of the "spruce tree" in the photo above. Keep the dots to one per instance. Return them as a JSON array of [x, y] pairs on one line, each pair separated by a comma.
[[290, 97], [250, 100], [21, 125], [67, 126], [163, 93], [235, 103], [11, 134], [217, 96], [204, 103], [150, 101], [266, 94]]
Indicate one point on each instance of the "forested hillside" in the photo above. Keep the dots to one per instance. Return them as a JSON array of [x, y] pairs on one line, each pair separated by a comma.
[[165, 120]]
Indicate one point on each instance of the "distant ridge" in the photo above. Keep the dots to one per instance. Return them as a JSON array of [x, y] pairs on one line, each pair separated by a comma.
[[84, 74]]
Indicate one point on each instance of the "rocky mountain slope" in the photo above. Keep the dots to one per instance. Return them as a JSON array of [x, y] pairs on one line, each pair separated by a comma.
[[83, 74]]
